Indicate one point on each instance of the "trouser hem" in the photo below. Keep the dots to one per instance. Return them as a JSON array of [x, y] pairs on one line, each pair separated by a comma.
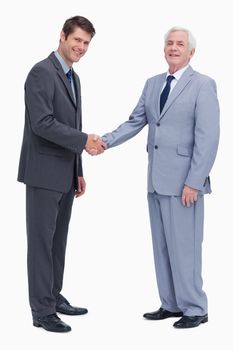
[[46, 312]]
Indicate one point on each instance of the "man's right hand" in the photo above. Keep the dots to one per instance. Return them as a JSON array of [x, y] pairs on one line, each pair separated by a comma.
[[95, 145]]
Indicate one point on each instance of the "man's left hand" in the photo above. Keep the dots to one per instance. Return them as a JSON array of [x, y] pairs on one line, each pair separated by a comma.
[[189, 195], [81, 187]]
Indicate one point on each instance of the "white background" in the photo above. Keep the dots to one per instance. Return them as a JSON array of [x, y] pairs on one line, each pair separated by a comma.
[[109, 265]]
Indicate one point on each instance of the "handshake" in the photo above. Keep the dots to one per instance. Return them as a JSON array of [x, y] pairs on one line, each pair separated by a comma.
[[95, 145]]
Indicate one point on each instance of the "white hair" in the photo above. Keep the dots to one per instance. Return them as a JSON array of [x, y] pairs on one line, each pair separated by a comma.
[[191, 39]]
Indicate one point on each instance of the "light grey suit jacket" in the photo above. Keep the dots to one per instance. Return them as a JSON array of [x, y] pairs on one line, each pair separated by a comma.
[[183, 140], [52, 141]]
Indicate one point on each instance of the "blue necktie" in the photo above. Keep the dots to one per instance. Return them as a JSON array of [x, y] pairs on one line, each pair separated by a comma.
[[69, 75], [165, 92]]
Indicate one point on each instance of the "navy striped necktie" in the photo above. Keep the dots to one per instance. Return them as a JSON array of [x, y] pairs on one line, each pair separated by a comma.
[[165, 92], [69, 75]]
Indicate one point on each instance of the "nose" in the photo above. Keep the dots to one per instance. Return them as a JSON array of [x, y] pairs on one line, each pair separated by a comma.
[[174, 47], [81, 46]]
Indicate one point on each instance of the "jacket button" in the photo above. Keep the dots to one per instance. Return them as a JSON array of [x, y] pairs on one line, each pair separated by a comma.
[[158, 124], [156, 147]]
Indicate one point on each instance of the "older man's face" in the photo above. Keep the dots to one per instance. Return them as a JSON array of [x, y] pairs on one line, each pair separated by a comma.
[[177, 51]]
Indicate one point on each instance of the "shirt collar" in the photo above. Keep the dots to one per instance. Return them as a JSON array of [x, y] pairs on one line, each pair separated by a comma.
[[64, 65], [178, 74]]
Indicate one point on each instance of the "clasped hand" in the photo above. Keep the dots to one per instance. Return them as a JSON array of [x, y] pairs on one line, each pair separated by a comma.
[[95, 145]]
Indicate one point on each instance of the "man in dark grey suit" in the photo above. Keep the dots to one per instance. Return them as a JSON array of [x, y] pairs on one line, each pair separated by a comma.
[[50, 166]]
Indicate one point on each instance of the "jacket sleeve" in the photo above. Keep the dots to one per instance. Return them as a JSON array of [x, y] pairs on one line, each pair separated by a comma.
[[39, 92], [206, 135], [131, 127], [80, 167]]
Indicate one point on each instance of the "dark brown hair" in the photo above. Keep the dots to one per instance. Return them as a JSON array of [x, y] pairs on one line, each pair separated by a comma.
[[78, 21]]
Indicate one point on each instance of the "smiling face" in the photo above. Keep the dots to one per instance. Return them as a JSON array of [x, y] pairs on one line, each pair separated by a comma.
[[74, 46], [177, 51]]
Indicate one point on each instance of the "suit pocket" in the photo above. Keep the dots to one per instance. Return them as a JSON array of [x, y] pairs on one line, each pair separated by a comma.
[[184, 151], [48, 152]]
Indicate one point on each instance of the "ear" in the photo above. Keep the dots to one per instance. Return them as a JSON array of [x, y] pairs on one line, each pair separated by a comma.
[[192, 52], [62, 36]]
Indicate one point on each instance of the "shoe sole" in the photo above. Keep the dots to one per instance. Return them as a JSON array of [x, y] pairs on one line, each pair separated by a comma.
[[37, 324], [159, 319], [70, 314], [203, 321]]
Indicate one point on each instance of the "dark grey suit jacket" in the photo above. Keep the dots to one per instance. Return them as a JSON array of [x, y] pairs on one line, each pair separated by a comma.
[[52, 141]]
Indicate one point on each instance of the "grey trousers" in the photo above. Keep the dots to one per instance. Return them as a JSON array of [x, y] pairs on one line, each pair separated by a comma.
[[47, 218], [177, 234]]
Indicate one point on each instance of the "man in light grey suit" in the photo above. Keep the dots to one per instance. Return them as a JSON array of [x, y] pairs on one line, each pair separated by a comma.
[[50, 166], [182, 111]]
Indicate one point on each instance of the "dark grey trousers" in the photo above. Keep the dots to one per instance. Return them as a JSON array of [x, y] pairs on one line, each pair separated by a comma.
[[47, 217]]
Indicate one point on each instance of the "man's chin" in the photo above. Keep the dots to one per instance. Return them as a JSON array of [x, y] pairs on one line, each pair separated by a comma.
[[76, 59]]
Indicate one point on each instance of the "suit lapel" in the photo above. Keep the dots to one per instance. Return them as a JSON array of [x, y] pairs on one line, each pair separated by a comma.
[[78, 101], [181, 84], [67, 85], [77, 87], [62, 76]]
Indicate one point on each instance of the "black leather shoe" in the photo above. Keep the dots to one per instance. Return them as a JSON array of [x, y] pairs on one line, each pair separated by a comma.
[[161, 314], [190, 321], [51, 323], [64, 307]]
